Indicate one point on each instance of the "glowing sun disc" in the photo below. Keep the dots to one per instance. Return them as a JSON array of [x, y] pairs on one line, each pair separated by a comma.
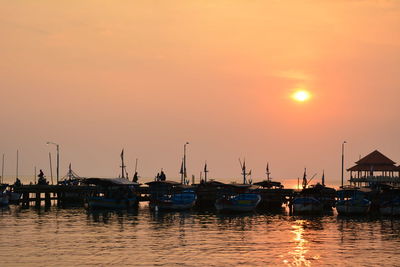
[[301, 95]]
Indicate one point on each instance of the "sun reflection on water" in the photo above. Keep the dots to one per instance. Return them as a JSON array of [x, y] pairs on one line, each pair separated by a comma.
[[300, 255]]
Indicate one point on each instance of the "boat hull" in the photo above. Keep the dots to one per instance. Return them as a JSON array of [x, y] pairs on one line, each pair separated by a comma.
[[390, 210], [4, 201], [178, 201], [349, 207], [239, 203], [307, 205], [110, 203]]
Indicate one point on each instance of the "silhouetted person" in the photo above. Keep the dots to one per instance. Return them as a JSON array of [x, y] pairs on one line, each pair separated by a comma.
[[17, 182], [41, 180], [163, 177], [158, 177]]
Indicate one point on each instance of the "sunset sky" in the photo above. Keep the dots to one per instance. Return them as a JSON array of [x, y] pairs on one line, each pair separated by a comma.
[[148, 76]]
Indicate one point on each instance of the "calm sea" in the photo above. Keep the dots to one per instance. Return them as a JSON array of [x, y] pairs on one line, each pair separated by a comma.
[[77, 237]]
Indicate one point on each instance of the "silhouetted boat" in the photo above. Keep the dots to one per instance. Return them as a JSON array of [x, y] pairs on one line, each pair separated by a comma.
[[4, 198], [307, 205], [112, 193], [391, 207], [352, 200], [238, 203], [170, 195], [235, 198]]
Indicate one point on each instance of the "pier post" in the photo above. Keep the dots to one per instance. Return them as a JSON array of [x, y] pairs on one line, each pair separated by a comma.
[[47, 200], [25, 199], [37, 199]]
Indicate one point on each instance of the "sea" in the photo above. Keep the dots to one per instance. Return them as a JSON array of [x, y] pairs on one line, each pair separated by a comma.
[[76, 236]]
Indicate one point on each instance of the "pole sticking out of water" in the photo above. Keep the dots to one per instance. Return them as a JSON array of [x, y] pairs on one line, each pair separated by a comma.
[[51, 169]]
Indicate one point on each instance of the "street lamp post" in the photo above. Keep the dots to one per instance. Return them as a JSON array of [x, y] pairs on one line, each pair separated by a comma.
[[58, 158], [343, 161]]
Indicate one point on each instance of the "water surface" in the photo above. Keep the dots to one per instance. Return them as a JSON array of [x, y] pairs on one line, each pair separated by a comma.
[[77, 237]]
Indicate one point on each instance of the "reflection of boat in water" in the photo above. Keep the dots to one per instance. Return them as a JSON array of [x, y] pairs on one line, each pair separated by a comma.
[[170, 195], [112, 193], [352, 200]]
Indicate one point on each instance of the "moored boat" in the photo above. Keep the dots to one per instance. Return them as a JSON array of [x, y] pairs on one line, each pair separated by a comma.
[[170, 195], [352, 201], [307, 205], [4, 198], [391, 207], [112, 193], [244, 202]]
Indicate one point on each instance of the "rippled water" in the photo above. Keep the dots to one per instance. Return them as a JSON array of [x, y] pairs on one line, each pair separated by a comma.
[[76, 237]]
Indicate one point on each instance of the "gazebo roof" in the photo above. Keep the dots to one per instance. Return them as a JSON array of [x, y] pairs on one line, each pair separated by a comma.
[[375, 161]]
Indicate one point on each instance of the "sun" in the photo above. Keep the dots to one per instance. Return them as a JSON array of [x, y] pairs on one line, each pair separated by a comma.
[[301, 95]]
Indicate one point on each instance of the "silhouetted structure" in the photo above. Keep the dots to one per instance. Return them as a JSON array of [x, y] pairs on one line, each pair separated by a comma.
[[375, 168]]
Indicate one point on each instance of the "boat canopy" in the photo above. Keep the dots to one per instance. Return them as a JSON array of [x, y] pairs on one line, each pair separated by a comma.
[[160, 183], [109, 181], [269, 184]]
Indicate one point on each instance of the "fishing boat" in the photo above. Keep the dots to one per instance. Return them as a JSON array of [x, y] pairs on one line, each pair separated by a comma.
[[171, 195], [307, 205], [4, 198], [390, 201], [308, 202], [353, 200], [112, 193], [272, 193], [245, 202], [391, 207]]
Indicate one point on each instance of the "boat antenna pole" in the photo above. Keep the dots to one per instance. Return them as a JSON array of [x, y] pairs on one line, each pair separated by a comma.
[[122, 166], [205, 172], [182, 172], [17, 163], [2, 170], [136, 165], [268, 173]]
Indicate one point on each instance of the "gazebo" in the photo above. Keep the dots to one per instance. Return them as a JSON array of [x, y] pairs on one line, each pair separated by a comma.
[[374, 168]]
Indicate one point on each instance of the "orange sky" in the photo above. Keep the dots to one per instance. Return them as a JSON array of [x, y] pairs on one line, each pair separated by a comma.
[[97, 76]]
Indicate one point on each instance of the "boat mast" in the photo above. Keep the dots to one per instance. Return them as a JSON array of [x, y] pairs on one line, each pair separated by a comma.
[[205, 172], [268, 173], [17, 163], [184, 161], [2, 170], [243, 166], [122, 164], [182, 172], [305, 178]]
